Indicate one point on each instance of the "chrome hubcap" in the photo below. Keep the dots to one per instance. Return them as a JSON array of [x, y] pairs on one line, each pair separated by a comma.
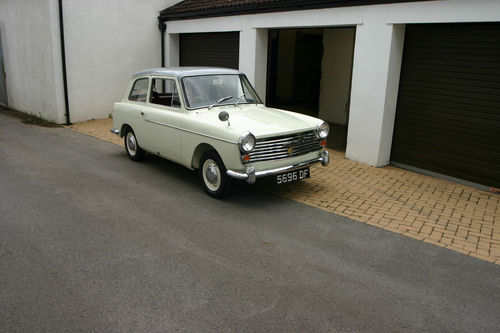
[[131, 144], [212, 173]]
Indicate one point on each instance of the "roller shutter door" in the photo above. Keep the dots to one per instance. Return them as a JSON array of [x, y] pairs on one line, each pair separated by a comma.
[[220, 49], [448, 110]]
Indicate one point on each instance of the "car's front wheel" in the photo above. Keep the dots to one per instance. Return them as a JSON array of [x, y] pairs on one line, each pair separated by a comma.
[[213, 175], [134, 151]]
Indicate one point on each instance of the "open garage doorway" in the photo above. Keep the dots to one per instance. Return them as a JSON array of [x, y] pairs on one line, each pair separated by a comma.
[[309, 71]]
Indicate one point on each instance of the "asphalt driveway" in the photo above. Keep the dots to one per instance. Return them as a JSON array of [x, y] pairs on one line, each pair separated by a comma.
[[90, 241], [440, 212]]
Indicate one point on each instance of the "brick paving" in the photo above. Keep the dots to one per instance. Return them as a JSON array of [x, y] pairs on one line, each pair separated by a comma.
[[436, 211]]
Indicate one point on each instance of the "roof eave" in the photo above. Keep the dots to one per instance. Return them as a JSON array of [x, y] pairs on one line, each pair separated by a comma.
[[272, 7]]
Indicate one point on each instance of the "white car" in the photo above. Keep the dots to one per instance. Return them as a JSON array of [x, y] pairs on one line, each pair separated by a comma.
[[211, 119]]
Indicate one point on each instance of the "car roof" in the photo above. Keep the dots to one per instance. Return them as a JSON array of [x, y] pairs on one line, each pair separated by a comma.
[[186, 71]]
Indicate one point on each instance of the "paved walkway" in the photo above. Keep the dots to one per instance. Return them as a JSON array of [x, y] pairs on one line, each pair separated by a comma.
[[433, 210], [99, 129]]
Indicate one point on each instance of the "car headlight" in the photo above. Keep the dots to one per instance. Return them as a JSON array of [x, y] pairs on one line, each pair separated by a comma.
[[322, 130], [246, 142]]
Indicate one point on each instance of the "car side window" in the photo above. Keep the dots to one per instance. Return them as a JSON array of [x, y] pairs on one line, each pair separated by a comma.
[[139, 90], [164, 92]]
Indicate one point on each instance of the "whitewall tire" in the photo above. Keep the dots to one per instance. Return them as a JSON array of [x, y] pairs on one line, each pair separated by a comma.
[[213, 175], [134, 151]]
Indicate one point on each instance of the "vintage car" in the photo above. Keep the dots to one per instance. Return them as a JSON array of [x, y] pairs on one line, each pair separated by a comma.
[[211, 119]]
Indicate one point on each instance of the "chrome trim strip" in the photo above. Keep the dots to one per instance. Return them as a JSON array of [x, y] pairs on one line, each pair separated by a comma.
[[237, 175], [275, 157], [188, 131], [284, 150], [115, 131], [277, 139], [326, 158], [250, 174]]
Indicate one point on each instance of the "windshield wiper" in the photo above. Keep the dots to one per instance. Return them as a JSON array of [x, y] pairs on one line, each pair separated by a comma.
[[220, 101], [236, 104]]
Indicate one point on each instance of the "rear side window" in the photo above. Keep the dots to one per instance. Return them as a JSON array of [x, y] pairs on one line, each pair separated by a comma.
[[139, 91]]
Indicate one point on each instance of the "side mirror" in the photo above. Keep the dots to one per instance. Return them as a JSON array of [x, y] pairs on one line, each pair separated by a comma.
[[223, 116]]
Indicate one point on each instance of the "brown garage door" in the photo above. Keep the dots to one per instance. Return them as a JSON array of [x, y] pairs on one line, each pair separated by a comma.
[[448, 111], [219, 49]]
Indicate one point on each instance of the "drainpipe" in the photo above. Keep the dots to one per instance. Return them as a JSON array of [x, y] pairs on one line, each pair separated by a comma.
[[163, 28], [63, 57]]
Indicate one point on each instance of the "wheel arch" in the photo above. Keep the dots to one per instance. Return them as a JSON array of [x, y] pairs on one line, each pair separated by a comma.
[[124, 129], [201, 149]]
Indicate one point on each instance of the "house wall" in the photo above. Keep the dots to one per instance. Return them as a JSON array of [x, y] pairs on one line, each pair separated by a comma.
[[336, 71], [106, 42], [32, 57], [377, 56]]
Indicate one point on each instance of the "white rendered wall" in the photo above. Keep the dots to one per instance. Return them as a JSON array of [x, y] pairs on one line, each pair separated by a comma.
[[32, 57], [377, 56], [253, 50], [106, 42], [336, 68], [172, 50], [375, 80]]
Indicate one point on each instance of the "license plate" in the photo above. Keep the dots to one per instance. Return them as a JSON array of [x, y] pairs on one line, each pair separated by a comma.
[[291, 176]]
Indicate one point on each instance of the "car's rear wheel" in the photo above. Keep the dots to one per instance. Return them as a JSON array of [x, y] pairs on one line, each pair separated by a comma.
[[134, 151], [213, 175]]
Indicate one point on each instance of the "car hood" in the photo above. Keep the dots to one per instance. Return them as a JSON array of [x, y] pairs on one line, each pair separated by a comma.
[[262, 121]]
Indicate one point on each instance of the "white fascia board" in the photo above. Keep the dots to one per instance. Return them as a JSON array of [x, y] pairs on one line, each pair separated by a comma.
[[213, 24], [330, 17], [439, 11], [445, 11]]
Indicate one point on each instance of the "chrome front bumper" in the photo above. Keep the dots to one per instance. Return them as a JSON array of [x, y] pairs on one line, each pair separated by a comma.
[[115, 131], [250, 175]]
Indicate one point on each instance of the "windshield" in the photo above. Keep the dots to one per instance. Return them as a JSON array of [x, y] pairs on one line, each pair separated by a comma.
[[212, 90]]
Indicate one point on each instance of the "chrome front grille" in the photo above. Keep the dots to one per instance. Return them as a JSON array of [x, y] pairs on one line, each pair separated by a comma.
[[284, 146]]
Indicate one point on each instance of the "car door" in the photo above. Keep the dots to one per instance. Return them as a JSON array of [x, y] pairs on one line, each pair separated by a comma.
[[135, 110], [164, 118]]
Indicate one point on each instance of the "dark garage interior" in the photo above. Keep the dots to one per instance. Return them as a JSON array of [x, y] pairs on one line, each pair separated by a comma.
[[309, 71]]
